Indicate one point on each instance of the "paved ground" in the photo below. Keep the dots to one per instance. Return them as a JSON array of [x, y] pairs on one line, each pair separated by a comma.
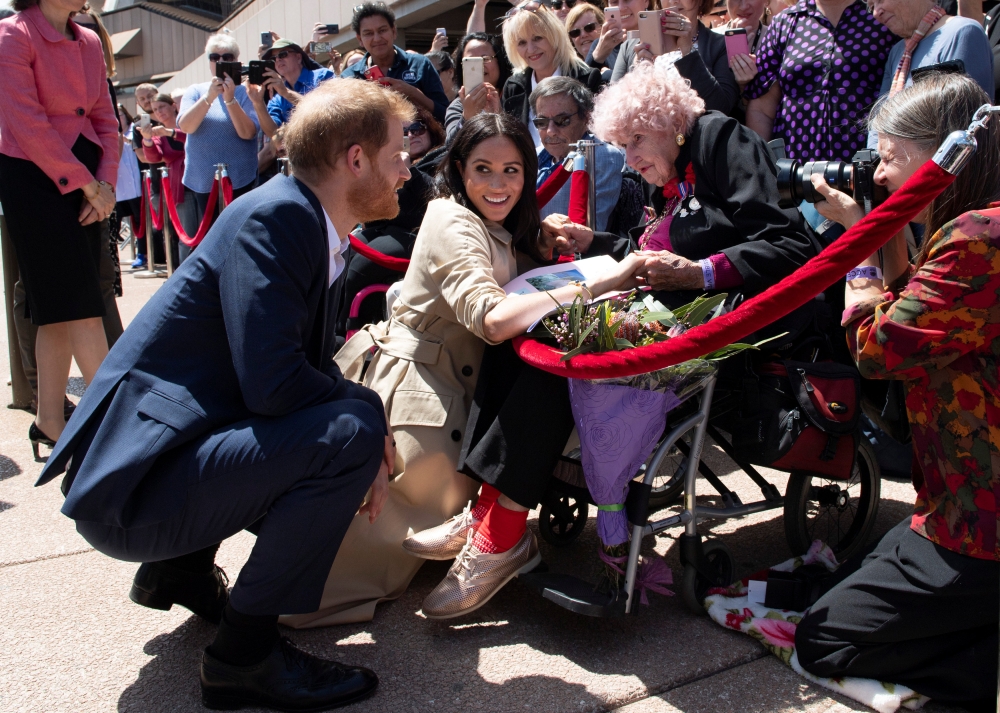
[[72, 641]]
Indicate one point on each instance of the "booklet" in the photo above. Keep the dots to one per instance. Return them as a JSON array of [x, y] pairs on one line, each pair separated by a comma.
[[552, 277]]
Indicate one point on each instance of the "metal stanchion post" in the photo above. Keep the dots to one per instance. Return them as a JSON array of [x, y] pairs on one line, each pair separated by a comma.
[[588, 149], [168, 228], [150, 270], [221, 171]]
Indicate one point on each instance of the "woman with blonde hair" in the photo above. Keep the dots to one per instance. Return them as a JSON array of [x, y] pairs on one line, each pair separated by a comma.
[[583, 24], [539, 48]]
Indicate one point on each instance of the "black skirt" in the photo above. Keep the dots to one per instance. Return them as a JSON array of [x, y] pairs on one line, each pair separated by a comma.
[[58, 259]]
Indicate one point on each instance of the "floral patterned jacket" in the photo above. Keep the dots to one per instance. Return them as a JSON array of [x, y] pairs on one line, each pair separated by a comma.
[[941, 334]]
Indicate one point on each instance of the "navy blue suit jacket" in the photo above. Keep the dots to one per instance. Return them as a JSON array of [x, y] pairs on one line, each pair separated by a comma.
[[243, 329]]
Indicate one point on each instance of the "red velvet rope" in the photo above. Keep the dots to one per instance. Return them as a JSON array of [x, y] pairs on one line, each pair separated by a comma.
[[552, 185], [206, 220], [579, 189], [804, 284], [381, 259], [157, 219]]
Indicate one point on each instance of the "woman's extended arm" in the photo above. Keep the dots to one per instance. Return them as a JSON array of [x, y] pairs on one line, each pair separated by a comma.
[[191, 117], [761, 112]]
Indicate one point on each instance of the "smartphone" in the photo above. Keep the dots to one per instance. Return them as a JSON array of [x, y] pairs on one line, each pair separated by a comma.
[[256, 72], [373, 74], [736, 42], [144, 120], [612, 14], [233, 69], [266, 39], [333, 29], [472, 73], [320, 47], [442, 31], [651, 30]]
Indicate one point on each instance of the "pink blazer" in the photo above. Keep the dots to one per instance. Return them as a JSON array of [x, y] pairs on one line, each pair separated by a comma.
[[53, 90]]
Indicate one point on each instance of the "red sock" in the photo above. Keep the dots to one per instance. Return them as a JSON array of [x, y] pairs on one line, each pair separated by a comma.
[[500, 530], [487, 496]]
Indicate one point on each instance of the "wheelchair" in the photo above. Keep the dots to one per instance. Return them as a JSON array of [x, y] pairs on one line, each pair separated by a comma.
[[839, 508]]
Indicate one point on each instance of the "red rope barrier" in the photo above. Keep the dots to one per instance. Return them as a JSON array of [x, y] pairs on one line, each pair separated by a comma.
[[381, 259], [579, 189], [552, 185], [206, 220], [804, 284], [157, 220]]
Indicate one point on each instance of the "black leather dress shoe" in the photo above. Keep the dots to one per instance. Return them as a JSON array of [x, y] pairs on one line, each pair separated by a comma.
[[287, 680], [159, 585]]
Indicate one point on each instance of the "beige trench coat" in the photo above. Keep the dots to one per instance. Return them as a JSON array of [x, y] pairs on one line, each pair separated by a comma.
[[425, 370]]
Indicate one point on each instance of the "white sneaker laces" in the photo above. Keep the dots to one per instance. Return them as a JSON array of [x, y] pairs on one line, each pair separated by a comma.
[[462, 520], [466, 562]]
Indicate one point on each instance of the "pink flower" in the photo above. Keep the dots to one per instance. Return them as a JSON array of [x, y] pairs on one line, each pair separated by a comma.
[[777, 632]]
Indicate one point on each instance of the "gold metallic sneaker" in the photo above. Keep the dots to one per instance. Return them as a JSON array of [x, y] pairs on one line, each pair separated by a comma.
[[445, 541], [476, 577]]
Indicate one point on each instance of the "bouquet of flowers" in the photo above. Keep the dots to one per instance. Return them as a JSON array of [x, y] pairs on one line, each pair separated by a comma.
[[620, 420]]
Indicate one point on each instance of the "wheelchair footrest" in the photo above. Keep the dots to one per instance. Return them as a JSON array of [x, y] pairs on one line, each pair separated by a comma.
[[575, 594]]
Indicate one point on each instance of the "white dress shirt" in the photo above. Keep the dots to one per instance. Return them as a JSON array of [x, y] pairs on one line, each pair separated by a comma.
[[338, 246]]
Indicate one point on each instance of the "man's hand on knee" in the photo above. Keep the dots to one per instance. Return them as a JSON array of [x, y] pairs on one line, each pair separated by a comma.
[[380, 488]]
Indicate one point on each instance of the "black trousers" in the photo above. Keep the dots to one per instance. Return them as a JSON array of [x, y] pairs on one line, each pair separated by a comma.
[[913, 613], [305, 474], [518, 426]]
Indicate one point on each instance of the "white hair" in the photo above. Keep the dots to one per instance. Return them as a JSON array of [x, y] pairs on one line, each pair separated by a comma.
[[222, 43]]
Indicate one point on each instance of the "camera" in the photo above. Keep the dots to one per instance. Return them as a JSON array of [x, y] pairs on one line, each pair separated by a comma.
[[256, 73], [233, 69], [856, 178]]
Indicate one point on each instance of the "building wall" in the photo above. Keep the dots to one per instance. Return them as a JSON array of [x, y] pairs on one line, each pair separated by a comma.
[[167, 45]]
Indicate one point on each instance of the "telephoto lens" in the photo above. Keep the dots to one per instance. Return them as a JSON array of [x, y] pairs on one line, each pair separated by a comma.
[[795, 179]]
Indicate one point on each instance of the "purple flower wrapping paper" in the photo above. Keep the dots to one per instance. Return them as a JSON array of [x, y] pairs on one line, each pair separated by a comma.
[[619, 427]]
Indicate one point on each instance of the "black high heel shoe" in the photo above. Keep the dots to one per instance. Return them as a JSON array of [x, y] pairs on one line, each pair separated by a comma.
[[36, 436]]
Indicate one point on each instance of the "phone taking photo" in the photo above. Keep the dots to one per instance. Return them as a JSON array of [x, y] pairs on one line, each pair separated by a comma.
[[333, 29], [737, 42], [255, 75], [373, 74], [320, 47], [266, 40], [472, 73], [612, 14], [442, 31], [651, 30], [144, 120], [233, 69]]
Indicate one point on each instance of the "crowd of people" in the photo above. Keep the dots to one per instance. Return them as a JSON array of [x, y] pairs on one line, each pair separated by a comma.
[[362, 445]]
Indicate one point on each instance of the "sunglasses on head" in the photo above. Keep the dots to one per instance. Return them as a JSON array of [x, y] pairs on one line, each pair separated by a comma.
[[559, 4], [227, 57], [530, 6], [417, 128], [376, 4], [588, 28], [560, 120]]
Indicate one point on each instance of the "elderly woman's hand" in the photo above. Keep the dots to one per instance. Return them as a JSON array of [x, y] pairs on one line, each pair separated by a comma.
[[214, 89], [663, 270], [838, 207], [565, 236]]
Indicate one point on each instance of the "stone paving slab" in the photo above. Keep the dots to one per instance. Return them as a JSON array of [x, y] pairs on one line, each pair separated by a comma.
[[72, 641]]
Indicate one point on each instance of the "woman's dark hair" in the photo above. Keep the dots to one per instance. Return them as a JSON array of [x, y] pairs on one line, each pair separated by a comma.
[[494, 41], [925, 114], [164, 99], [523, 221], [434, 128], [371, 9], [21, 5]]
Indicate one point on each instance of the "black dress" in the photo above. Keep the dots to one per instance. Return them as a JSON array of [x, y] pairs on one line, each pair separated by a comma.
[[520, 419], [59, 259]]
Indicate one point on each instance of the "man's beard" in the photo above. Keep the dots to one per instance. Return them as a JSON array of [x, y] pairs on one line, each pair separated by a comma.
[[374, 198]]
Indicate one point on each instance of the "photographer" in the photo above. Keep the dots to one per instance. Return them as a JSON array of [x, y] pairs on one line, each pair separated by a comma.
[[164, 143], [144, 94], [294, 75], [486, 96], [412, 75], [221, 127], [921, 609]]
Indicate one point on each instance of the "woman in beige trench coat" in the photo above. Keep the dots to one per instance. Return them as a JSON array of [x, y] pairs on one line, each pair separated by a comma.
[[426, 366]]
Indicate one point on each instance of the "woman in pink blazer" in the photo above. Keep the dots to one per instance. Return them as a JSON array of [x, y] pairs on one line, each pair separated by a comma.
[[58, 164]]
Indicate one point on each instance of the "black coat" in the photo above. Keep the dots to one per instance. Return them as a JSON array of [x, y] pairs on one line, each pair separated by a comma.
[[737, 189], [517, 89]]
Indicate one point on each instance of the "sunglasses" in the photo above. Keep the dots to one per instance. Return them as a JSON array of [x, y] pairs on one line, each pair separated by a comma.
[[281, 55], [588, 28], [530, 6], [227, 57], [417, 128], [559, 4], [560, 120]]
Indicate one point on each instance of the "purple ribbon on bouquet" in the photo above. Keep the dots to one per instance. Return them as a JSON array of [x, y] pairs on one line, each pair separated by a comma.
[[619, 427]]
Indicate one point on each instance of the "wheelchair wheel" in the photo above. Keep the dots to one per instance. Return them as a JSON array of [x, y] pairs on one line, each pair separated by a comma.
[[840, 513], [719, 560], [562, 520], [668, 484]]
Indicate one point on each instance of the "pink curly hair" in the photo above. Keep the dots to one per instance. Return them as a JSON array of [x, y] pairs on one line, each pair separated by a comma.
[[646, 99]]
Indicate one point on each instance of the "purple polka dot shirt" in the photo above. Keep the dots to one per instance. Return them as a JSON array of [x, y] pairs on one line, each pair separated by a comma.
[[829, 78]]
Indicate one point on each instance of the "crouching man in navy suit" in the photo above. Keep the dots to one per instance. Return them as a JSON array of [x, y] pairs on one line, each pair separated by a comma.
[[221, 408]]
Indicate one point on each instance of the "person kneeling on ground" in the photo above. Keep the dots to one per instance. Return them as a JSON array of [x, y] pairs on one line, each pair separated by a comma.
[[221, 409], [921, 609]]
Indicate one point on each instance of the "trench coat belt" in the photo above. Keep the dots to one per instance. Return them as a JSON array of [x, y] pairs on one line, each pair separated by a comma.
[[392, 338]]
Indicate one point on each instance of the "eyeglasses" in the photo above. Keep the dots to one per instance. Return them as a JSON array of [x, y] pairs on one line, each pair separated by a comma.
[[530, 6], [227, 57], [558, 4], [417, 128], [560, 120], [487, 58], [588, 28], [281, 55]]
